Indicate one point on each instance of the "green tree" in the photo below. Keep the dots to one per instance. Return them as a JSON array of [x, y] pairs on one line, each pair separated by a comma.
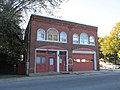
[[115, 44], [110, 45], [100, 40], [118, 53], [11, 46]]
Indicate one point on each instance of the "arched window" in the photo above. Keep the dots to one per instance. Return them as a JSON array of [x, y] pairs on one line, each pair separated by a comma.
[[83, 38], [92, 40], [63, 37], [52, 34], [40, 34], [75, 39]]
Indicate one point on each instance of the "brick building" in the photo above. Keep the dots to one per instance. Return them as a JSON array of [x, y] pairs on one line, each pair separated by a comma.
[[58, 45]]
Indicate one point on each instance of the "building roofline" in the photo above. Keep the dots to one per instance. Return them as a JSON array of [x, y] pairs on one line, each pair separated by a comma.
[[61, 20]]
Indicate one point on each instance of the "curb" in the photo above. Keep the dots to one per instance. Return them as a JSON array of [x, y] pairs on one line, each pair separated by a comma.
[[56, 75]]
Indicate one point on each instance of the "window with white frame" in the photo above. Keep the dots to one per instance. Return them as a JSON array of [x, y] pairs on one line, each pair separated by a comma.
[[40, 34], [63, 37], [92, 40], [75, 39], [52, 34], [83, 38]]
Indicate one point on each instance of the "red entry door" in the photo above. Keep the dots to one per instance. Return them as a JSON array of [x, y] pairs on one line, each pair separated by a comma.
[[41, 64], [51, 64]]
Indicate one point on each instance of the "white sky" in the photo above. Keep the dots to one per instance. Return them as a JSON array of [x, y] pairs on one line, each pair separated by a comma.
[[101, 13]]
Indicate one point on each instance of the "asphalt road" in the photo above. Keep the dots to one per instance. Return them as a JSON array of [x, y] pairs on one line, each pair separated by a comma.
[[108, 81]]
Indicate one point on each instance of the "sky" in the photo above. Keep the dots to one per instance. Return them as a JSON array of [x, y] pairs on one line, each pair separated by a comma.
[[103, 14]]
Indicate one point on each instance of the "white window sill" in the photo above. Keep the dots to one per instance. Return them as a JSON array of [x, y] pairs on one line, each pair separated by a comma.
[[85, 44], [75, 43], [51, 41]]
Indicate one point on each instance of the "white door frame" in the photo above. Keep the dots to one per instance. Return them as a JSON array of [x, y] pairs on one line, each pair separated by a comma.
[[58, 58]]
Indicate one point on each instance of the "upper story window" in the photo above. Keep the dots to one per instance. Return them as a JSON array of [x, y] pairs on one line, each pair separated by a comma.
[[63, 37], [83, 38], [92, 40], [40, 34], [52, 34], [75, 39]]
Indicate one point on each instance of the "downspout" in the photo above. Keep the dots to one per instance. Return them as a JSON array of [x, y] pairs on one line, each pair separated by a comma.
[[28, 50]]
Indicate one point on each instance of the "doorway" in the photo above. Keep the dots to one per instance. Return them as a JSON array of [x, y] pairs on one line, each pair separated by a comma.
[[51, 64]]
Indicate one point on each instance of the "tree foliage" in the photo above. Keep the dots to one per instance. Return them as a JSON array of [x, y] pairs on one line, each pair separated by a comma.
[[15, 7], [116, 39], [100, 40], [110, 45], [11, 45]]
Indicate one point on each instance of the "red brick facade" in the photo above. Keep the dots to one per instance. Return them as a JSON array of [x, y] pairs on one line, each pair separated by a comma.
[[70, 28]]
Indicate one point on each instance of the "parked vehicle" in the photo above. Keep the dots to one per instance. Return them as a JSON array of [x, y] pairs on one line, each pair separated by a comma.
[[111, 66]]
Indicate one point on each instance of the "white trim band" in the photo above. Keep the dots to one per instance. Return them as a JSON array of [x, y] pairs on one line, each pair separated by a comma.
[[85, 52]]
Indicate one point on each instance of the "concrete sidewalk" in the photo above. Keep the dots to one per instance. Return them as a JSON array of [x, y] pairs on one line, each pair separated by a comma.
[[69, 73], [54, 75]]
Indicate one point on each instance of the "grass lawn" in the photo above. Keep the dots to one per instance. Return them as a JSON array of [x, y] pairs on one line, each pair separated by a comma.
[[5, 76]]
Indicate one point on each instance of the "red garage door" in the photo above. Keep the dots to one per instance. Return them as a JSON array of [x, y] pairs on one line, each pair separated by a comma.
[[83, 62]]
